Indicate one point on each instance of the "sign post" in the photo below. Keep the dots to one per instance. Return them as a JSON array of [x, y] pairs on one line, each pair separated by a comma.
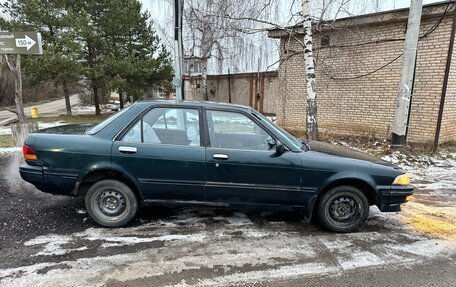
[[20, 43], [26, 43]]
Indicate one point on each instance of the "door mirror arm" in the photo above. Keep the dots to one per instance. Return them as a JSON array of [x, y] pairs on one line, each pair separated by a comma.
[[280, 148]]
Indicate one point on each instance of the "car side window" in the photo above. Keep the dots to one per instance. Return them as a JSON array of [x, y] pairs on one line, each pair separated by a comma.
[[176, 126], [237, 131], [134, 134]]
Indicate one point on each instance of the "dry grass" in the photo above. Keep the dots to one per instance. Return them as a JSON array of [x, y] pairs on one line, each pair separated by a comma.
[[431, 219], [372, 142], [6, 141]]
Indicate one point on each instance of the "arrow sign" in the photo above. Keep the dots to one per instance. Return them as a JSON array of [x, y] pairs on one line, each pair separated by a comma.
[[26, 42], [21, 43]]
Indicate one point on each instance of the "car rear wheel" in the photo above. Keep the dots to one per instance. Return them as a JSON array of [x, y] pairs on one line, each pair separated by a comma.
[[111, 203], [343, 209]]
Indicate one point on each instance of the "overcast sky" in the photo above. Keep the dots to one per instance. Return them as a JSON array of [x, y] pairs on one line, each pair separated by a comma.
[[159, 7]]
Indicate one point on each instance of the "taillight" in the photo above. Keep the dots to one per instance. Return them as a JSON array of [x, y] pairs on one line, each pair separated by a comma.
[[29, 153]]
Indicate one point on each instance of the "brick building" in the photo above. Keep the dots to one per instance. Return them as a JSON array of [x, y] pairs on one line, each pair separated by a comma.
[[358, 64]]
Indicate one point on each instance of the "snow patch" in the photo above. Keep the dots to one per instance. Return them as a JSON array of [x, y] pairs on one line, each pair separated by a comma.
[[9, 150], [436, 173], [53, 245], [231, 243], [6, 130], [84, 109]]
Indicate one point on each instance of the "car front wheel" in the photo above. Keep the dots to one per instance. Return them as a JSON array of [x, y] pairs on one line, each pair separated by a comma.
[[343, 209], [111, 203]]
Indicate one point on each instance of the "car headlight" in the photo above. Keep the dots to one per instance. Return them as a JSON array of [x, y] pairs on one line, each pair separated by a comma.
[[403, 179]]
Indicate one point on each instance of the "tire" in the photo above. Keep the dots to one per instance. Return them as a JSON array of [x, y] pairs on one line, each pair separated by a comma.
[[343, 209], [111, 203]]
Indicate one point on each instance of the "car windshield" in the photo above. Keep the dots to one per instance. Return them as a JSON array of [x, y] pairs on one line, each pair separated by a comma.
[[93, 130], [278, 130]]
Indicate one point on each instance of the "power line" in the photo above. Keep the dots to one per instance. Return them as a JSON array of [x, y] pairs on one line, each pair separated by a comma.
[[429, 32]]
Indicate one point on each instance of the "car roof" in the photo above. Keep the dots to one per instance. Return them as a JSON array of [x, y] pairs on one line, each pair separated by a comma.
[[206, 104]]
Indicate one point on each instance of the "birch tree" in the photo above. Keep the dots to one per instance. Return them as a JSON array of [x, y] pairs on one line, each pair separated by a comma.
[[311, 112]]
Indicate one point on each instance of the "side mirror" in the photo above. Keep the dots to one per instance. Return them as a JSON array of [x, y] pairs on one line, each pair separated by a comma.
[[280, 148]]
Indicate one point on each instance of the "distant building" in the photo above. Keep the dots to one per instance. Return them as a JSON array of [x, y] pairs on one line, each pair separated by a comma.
[[357, 75], [257, 90]]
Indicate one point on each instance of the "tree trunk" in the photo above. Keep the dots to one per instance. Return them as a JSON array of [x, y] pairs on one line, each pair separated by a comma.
[[121, 102], [311, 119], [21, 130], [96, 101], [204, 68], [17, 87], [67, 98]]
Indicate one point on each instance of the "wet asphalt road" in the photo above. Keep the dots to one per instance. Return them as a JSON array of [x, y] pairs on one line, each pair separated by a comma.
[[50, 241]]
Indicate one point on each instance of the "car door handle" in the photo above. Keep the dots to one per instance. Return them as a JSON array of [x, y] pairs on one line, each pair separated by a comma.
[[220, 156], [128, 149]]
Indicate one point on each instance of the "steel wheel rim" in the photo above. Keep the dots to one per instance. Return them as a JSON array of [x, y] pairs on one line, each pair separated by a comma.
[[344, 209], [110, 204]]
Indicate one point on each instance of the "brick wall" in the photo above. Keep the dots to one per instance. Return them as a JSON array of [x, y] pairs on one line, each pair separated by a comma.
[[244, 87], [365, 106]]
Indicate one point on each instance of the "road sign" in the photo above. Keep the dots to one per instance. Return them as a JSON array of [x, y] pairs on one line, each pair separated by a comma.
[[21, 43]]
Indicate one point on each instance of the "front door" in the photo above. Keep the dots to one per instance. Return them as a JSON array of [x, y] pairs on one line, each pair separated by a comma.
[[162, 151], [242, 165]]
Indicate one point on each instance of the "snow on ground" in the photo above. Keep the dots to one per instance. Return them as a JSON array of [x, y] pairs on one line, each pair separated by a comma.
[[6, 130], [198, 239], [436, 173], [84, 109], [272, 118], [9, 150]]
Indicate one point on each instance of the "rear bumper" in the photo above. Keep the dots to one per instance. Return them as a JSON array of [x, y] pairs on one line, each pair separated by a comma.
[[393, 196], [32, 174], [62, 184]]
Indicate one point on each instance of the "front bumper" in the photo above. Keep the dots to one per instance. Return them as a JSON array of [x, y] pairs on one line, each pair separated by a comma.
[[392, 196]]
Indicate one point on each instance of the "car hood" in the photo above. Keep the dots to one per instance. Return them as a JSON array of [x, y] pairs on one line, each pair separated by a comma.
[[342, 151], [74, 129]]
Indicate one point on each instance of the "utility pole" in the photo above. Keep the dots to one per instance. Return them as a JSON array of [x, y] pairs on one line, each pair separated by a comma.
[[405, 88], [229, 86], [178, 46]]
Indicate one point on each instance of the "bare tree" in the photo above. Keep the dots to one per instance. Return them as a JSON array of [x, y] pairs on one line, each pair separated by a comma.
[[210, 35], [16, 69], [222, 35]]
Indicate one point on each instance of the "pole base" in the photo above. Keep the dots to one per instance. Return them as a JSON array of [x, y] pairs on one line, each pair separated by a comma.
[[397, 140]]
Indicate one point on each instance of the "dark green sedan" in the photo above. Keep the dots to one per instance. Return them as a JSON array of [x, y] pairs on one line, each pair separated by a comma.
[[211, 154]]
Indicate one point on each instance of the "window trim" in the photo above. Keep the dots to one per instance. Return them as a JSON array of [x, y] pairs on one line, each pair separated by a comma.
[[249, 116], [118, 137]]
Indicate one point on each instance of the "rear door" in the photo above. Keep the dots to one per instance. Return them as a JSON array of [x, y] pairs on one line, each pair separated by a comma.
[[162, 150], [242, 165]]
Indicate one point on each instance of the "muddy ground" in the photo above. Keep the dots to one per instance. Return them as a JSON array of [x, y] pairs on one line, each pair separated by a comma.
[[50, 241]]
